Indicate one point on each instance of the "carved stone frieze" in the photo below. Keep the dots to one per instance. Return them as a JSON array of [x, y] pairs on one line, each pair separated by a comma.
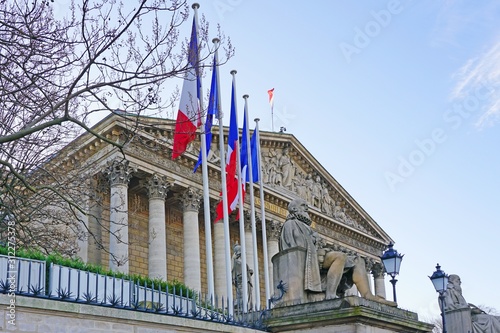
[[178, 166], [284, 175]]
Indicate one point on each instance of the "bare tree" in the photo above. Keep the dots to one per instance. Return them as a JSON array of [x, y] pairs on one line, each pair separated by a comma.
[[58, 73], [438, 325]]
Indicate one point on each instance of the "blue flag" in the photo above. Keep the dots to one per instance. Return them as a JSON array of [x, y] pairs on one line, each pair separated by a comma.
[[244, 156]]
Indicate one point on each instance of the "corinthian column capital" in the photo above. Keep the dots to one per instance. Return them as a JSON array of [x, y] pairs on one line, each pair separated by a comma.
[[378, 270], [191, 199], [119, 172], [157, 187], [273, 230]]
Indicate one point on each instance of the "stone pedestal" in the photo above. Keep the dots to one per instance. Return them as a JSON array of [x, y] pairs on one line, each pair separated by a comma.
[[459, 321], [347, 315], [288, 266]]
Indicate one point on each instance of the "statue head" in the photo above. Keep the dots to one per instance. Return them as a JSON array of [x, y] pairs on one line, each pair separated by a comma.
[[454, 282], [237, 250], [299, 209]]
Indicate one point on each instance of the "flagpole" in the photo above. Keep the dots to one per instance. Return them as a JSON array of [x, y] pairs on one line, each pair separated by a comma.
[[229, 286], [242, 232], [206, 191], [252, 210], [263, 215]]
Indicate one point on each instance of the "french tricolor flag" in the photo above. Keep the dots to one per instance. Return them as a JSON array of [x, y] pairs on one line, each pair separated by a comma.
[[231, 162], [188, 117]]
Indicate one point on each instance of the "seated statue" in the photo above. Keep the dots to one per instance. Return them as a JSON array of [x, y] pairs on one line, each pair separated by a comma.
[[296, 232], [481, 321]]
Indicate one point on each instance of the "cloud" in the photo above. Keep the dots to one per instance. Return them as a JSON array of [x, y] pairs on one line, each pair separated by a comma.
[[481, 72]]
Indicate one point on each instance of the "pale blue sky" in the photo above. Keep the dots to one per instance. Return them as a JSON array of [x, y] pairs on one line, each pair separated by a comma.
[[417, 102]]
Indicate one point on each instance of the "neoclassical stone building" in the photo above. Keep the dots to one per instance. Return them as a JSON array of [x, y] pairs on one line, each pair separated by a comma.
[[145, 210]]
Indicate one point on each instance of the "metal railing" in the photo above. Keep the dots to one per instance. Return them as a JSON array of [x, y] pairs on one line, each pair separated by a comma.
[[31, 278]]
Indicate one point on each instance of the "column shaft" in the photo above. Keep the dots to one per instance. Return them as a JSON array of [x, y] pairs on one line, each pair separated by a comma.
[[95, 228], [191, 200], [379, 281], [157, 187], [157, 255], [83, 239], [249, 257], [119, 173], [118, 228], [273, 233], [219, 261]]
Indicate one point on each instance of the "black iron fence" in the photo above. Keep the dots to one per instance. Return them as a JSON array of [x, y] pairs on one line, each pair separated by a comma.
[[33, 278]]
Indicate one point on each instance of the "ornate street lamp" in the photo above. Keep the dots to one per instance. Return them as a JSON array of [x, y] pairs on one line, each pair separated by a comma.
[[392, 262], [440, 281]]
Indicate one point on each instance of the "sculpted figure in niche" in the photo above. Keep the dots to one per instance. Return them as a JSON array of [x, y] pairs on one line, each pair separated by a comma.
[[274, 176], [349, 269], [286, 168], [238, 277], [316, 192], [266, 161], [298, 184], [481, 321], [338, 213], [309, 183], [327, 202]]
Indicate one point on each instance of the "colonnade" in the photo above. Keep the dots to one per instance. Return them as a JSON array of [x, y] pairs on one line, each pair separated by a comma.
[[119, 174]]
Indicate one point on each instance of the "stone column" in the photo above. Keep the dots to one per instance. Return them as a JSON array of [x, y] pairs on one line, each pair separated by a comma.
[[95, 219], [83, 235], [157, 187], [273, 230], [219, 261], [119, 173], [378, 279], [191, 199]]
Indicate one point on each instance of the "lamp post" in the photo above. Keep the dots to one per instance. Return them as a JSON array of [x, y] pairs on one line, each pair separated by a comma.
[[440, 281], [392, 262]]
